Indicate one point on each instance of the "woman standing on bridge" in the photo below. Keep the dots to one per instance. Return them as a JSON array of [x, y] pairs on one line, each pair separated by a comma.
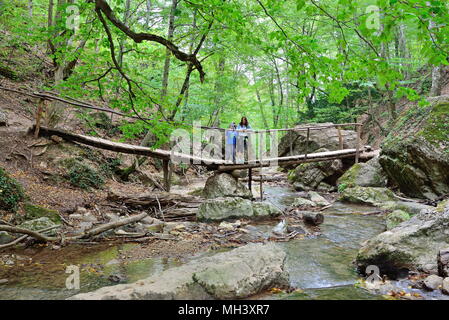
[[243, 140]]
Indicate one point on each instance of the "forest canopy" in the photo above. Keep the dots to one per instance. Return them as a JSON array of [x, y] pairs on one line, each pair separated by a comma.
[[277, 62]]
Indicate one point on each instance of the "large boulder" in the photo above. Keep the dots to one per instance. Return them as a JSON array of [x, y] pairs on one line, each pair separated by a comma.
[[415, 155], [412, 245], [235, 274], [367, 195], [327, 138], [369, 174], [225, 185], [228, 208], [312, 175]]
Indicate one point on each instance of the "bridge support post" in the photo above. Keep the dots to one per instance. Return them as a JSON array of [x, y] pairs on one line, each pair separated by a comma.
[[250, 178], [167, 174]]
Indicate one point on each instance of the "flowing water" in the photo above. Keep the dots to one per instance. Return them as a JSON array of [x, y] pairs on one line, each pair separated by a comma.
[[321, 265]]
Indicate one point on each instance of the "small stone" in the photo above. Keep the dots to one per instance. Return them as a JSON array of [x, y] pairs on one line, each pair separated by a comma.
[[3, 281], [318, 199], [81, 210], [56, 247], [56, 139], [301, 202], [433, 282]]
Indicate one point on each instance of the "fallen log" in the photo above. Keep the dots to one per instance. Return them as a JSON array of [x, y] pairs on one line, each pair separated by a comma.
[[313, 218], [38, 235]]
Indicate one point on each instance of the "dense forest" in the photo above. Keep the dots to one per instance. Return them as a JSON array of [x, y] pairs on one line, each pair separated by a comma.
[[277, 62], [350, 202]]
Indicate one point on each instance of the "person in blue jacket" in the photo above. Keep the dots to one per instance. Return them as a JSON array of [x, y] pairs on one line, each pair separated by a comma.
[[231, 142]]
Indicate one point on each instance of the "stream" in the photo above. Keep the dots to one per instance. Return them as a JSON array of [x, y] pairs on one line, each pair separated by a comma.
[[321, 266]]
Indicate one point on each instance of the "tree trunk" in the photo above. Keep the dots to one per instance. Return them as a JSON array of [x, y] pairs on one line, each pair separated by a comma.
[[171, 30]]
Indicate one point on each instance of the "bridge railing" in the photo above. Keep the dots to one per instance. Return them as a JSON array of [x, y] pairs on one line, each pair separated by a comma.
[[277, 134]]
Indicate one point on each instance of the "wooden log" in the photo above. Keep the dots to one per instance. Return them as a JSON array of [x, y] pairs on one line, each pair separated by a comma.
[[313, 218], [443, 262], [357, 144], [40, 109]]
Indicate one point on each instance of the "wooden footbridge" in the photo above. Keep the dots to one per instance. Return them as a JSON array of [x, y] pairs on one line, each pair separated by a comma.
[[220, 165], [212, 164]]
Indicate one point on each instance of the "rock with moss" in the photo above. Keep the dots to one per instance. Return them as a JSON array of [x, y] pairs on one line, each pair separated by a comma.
[[39, 224], [11, 192], [412, 245], [310, 176], [219, 209], [395, 218], [234, 274], [367, 195], [265, 210], [369, 174], [225, 185], [33, 212], [301, 202], [415, 156], [412, 208], [318, 199]]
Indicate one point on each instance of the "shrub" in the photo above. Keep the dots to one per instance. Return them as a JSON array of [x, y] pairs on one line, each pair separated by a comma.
[[84, 177], [11, 192]]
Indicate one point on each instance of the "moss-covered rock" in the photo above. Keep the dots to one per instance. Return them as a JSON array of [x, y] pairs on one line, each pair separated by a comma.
[[415, 156], [33, 212], [412, 245], [395, 218], [367, 195], [11, 192], [369, 174], [39, 224], [310, 176]]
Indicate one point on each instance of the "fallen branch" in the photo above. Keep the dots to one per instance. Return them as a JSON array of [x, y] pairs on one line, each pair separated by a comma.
[[109, 226], [16, 241]]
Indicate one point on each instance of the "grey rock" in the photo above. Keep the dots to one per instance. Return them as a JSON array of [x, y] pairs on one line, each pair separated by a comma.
[[3, 281], [301, 202], [5, 237], [326, 138], [415, 156], [225, 185], [228, 208], [412, 245], [369, 174], [311, 176], [39, 224], [367, 195], [445, 286], [318, 199], [433, 282], [236, 274]]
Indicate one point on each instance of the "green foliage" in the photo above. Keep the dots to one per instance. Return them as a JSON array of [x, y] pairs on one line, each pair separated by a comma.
[[11, 192], [83, 176], [342, 187]]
